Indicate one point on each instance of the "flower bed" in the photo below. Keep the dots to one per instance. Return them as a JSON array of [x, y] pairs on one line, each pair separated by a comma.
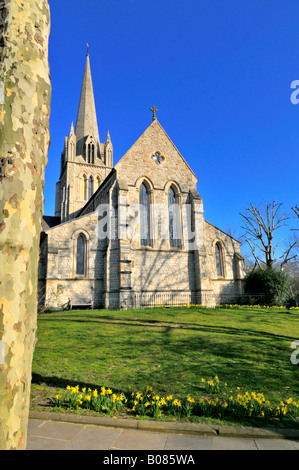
[[147, 403]]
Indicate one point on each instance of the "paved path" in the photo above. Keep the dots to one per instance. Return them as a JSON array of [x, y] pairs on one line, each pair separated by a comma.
[[58, 435]]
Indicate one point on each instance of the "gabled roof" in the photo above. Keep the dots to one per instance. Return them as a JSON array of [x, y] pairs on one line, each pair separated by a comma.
[[48, 222], [155, 122]]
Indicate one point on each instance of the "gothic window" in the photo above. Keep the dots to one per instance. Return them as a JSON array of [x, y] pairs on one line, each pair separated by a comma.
[[144, 215], [90, 152], [81, 255], [90, 187], [82, 187], [71, 150], [173, 219], [219, 260], [85, 189]]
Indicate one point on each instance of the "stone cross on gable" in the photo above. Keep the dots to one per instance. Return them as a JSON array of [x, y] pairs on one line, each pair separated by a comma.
[[154, 111]]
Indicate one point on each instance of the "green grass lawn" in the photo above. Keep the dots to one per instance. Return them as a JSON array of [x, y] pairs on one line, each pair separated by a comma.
[[170, 349]]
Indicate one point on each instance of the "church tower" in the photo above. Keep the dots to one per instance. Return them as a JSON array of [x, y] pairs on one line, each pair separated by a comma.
[[85, 162]]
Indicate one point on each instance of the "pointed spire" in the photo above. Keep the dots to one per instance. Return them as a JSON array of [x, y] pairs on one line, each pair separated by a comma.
[[87, 119], [108, 137], [72, 129]]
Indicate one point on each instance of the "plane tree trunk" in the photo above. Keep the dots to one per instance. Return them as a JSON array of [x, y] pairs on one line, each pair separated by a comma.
[[25, 92]]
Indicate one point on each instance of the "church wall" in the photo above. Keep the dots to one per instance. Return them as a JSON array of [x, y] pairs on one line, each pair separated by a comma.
[[163, 271], [228, 287], [62, 281], [137, 162]]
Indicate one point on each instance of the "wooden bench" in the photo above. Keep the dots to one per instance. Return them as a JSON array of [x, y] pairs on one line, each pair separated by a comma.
[[80, 302]]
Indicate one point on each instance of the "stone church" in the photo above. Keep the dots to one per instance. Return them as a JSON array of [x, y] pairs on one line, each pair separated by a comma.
[[131, 234]]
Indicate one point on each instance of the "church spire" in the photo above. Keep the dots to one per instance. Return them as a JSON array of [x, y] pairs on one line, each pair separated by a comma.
[[86, 119]]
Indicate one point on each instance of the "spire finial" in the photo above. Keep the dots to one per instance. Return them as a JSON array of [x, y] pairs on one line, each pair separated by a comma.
[[87, 45], [86, 123], [154, 111]]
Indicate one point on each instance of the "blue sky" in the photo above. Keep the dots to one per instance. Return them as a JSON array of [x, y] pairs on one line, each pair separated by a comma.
[[220, 73]]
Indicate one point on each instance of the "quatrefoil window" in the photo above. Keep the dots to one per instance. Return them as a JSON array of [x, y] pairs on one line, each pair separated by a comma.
[[158, 158]]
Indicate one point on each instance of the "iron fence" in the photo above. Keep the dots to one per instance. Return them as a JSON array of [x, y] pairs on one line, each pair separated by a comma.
[[172, 299]]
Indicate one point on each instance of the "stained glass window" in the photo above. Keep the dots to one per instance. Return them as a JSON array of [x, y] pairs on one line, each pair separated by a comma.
[[219, 265], [81, 242], [90, 187], [173, 219], [144, 216]]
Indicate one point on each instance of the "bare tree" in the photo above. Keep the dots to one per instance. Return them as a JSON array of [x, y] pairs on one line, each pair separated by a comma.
[[25, 93], [259, 234], [296, 210]]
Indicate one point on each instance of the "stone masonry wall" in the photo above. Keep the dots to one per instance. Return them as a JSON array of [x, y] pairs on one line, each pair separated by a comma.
[[229, 286], [62, 280]]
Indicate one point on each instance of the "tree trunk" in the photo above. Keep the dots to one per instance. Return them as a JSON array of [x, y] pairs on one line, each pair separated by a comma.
[[25, 93]]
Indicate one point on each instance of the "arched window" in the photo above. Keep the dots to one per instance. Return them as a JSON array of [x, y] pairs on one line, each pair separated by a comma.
[[90, 153], [90, 187], [82, 187], [71, 150], [89, 150], [81, 255], [219, 260], [173, 219], [144, 215], [85, 187]]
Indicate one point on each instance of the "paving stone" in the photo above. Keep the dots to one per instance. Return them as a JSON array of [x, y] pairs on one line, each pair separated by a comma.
[[94, 438], [187, 442], [296, 444], [57, 430], [189, 428], [233, 443], [140, 440], [275, 444], [58, 435], [34, 423], [45, 443]]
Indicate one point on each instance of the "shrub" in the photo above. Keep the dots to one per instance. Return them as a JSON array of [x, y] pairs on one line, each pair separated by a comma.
[[274, 285]]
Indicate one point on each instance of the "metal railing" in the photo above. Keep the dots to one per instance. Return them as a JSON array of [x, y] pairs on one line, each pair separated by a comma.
[[172, 299]]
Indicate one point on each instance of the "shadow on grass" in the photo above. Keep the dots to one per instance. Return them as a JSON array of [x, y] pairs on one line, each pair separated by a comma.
[[171, 325], [197, 416], [58, 382], [172, 356]]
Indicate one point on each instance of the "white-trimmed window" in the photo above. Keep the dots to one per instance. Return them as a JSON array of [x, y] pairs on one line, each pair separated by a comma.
[[90, 187], [81, 253], [173, 217], [219, 260], [144, 215]]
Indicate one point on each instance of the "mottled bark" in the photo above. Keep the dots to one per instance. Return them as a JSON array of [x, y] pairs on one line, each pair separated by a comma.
[[24, 141]]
